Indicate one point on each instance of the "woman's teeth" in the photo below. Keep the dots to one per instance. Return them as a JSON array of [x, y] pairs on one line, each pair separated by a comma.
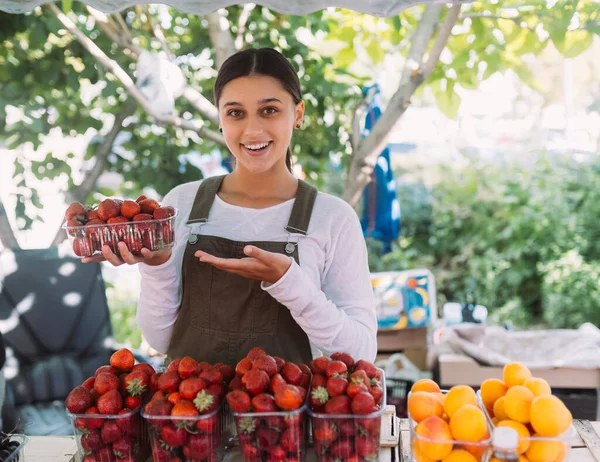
[[256, 147]]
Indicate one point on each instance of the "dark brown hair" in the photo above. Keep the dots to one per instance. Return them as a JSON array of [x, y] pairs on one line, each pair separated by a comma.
[[263, 61]]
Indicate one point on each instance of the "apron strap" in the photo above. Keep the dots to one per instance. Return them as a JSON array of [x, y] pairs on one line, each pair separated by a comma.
[[204, 199], [302, 210]]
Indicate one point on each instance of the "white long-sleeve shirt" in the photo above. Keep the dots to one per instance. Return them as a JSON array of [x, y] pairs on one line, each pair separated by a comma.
[[329, 294]]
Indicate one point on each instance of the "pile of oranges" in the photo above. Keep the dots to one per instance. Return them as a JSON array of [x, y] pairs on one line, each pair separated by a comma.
[[526, 404], [453, 426]]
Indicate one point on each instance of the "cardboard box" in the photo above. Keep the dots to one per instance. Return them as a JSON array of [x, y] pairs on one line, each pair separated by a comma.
[[394, 340]]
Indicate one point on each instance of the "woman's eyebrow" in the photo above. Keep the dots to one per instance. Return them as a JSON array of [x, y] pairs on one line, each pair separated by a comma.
[[262, 101]]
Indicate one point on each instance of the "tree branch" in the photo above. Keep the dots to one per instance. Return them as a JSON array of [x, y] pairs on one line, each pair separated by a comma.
[[239, 39], [82, 191], [218, 31], [518, 20], [7, 236], [414, 74], [128, 83], [158, 33]]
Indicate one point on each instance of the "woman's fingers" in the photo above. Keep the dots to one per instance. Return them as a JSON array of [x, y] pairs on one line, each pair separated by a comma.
[[110, 256]]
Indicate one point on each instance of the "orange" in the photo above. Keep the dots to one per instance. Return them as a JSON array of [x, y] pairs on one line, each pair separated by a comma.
[[515, 374], [546, 451], [425, 385], [438, 439], [549, 416], [538, 386], [468, 424], [517, 403], [458, 396], [491, 390], [459, 455], [521, 430], [422, 404], [499, 411]]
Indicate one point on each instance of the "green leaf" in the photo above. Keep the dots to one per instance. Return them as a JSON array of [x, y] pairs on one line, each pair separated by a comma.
[[67, 5], [576, 42], [447, 100], [346, 57], [375, 52]]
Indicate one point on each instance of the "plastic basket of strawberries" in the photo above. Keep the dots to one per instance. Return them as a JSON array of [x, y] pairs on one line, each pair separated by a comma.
[[140, 223], [185, 416], [268, 400], [105, 410], [347, 400]]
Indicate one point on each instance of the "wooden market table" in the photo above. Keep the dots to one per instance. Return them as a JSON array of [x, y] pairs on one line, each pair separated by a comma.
[[64, 448]]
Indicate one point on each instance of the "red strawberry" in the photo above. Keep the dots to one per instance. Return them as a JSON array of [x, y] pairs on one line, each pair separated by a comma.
[[255, 381], [227, 372], [93, 422], [123, 447], [267, 438], [366, 447], [368, 367], [217, 389], [342, 449], [289, 440], [318, 397], [82, 247], [128, 423], [276, 382], [110, 402], [88, 383], [141, 198], [305, 369], [250, 452], [369, 426], [324, 431], [108, 208], [163, 212], [148, 206], [345, 358], [377, 392], [363, 403], [336, 367], [355, 388], [318, 381], [133, 402], [239, 400], [93, 215], [265, 363], [169, 382], [109, 369], [291, 373], [153, 385], [184, 408], [173, 365], [243, 366], [120, 230], [280, 362], [304, 381], [76, 211], [277, 453], [172, 436], [211, 376], [264, 403], [319, 365], [144, 367], [105, 454], [78, 400], [130, 208], [255, 353], [235, 384], [206, 401], [204, 366], [136, 383], [122, 360], [189, 388], [289, 397], [91, 441], [337, 386], [346, 428], [174, 397], [188, 367], [338, 405], [158, 407], [276, 422], [74, 224], [207, 424], [105, 382], [200, 446], [110, 432]]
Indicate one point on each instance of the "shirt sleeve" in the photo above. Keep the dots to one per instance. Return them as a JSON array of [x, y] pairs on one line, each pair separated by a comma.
[[339, 316], [160, 289]]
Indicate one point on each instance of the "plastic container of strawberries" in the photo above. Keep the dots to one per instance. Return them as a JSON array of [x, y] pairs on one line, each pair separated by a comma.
[[106, 437], [266, 436], [420, 445], [557, 448], [345, 436], [201, 437], [17, 454], [156, 234]]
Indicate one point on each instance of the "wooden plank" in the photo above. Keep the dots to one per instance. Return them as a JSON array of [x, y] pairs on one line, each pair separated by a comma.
[[589, 437], [51, 449], [581, 455], [405, 450]]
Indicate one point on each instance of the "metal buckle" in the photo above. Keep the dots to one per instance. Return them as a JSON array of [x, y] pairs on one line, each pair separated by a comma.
[[291, 245]]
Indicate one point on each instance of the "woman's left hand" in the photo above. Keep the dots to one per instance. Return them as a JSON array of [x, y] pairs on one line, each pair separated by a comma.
[[260, 264]]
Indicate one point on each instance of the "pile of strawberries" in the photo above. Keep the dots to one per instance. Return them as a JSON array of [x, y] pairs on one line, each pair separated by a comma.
[[271, 386], [111, 428], [189, 394], [139, 223], [342, 387]]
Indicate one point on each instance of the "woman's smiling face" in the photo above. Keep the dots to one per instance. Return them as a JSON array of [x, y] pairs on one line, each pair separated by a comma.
[[257, 117]]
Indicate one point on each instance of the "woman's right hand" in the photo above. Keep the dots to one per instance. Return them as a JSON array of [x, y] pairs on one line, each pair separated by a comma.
[[152, 258]]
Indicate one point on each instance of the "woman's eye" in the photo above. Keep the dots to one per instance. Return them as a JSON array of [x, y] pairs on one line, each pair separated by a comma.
[[234, 113], [270, 110]]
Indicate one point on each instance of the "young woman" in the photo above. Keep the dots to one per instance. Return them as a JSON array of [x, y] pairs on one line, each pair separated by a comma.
[[261, 258]]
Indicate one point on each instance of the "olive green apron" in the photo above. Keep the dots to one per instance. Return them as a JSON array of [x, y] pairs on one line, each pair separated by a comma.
[[223, 315]]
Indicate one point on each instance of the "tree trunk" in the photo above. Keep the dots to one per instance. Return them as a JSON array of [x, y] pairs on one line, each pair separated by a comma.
[[7, 236], [218, 31]]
